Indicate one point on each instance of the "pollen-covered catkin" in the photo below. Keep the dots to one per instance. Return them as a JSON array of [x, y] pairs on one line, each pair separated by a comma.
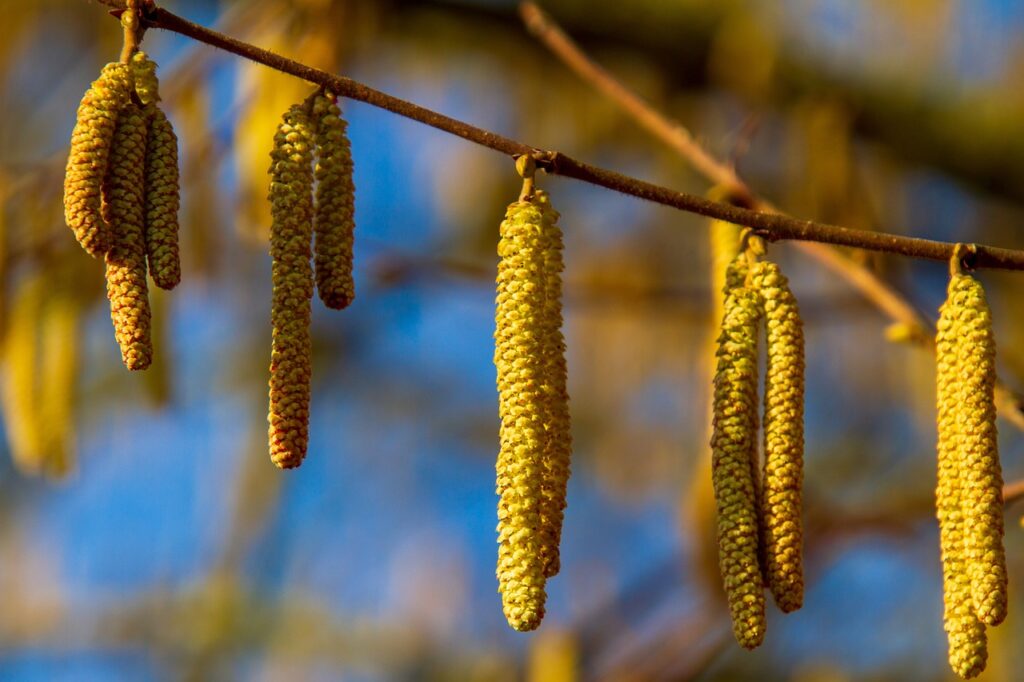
[[162, 200], [558, 446], [89, 155], [968, 650], [783, 437], [123, 211], [334, 221], [521, 367], [291, 199], [147, 86], [733, 440], [982, 478]]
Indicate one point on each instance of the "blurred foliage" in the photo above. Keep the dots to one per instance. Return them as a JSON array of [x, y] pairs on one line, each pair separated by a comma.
[[177, 551]]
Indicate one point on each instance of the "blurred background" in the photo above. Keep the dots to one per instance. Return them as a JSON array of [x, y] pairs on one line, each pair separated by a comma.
[[171, 548]]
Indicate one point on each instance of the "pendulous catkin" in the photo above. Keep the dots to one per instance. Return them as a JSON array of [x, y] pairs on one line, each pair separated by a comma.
[[291, 199], [558, 445], [162, 200], [520, 329], [981, 474], [334, 221], [780, 496], [126, 258], [733, 444], [88, 158], [147, 86], [968, 649]]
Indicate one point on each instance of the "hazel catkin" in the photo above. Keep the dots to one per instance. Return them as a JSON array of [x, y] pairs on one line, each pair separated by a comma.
[[968, 649], [162, 200], [147, 86], [558, 444], [782, 481], [86, 168], [520, 328], [126, 259], [733, 442], [291, 199], [334, 221], [981, 473]]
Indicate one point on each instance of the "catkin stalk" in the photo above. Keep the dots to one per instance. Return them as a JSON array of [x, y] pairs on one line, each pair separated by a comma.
[[88, 158], [982, 478], [733, 442], [783, 437], [334, 222], [126, 258], [291, 199], [968, 649], [520, 343]]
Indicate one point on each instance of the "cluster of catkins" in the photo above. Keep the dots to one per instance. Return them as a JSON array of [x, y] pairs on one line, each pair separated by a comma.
[[121, 195], [535, 440], [299, 211], [760, 532], [969, 503]]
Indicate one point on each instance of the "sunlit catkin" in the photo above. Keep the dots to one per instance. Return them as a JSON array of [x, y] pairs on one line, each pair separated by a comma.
[[147, 87], [89, 155], [58, 373], [981, 474], [126, 258], [291, 199], [968, 650], [558, 446], [162, 201], [334, 221], [26, 434], [783, 437], [733, 440], [520, 342]]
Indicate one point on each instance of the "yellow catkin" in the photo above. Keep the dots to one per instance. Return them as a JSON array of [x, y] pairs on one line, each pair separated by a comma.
[[162, 201], [968, 650], [147, 86], [291, 199], [558, 447], [981, 473], [335, 208], [126, 258], [783, 437], [22, 424], [519, 335], [733, 440], [86, 168], [58, 373]]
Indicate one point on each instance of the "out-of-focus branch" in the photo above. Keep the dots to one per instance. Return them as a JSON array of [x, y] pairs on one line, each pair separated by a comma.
[[1013, 492], [675, 135]]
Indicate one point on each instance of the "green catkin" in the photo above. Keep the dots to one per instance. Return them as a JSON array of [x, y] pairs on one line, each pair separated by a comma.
[[291, 198], [968, 650], [558, 448], [521, 366], [162, 201], [86, 168], [334, 223], [783, 437], [982, 479], [733, 440], [126, 259]]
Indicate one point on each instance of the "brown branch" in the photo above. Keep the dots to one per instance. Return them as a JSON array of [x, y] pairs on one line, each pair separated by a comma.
[[675, 135], [772, 227], [1012, 492]]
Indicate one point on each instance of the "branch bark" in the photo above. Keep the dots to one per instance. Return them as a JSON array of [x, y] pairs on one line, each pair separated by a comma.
[[772, 227]]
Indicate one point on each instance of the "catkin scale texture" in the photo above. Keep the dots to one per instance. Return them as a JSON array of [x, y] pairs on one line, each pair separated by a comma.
[[89, 155], [291, 199], [520, 342], [981, 473], [334, 221], [781, 485], [733, 442], [126, 259], [558, 447], [968, 647], [147, 87], [162, 200]]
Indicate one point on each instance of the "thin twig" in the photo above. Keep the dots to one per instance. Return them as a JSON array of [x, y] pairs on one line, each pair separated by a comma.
[[772, 227]]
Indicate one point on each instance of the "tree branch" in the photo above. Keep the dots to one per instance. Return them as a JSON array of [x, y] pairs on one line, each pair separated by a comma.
[[772, 227]]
